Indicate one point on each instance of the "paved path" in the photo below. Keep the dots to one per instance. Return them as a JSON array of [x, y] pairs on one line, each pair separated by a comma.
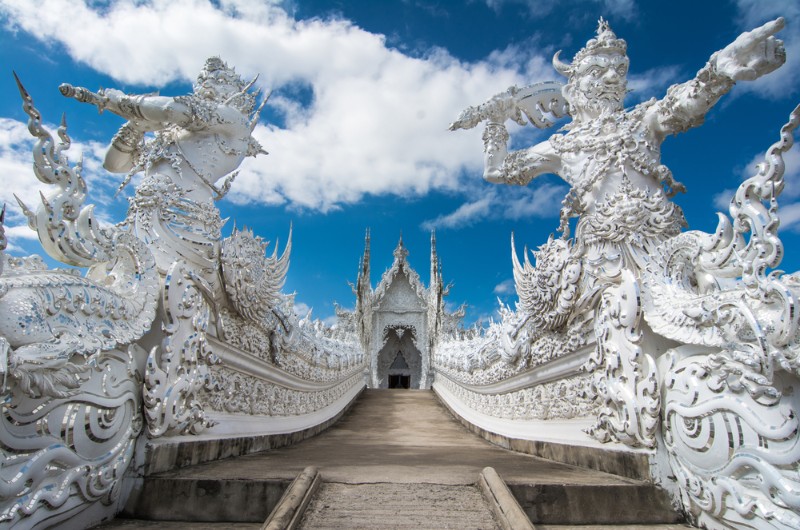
[[399, 460], [397, 436]]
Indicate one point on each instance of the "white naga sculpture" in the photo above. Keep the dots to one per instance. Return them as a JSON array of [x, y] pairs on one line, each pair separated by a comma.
[[714, 373], [71, 370]]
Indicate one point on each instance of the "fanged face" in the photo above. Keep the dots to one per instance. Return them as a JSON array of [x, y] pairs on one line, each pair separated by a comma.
[[600, 82], [214, 88]]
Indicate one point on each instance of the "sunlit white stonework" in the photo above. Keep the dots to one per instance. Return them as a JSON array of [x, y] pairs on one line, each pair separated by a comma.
[[401, 321], [630, 334], [172, 331], [690, 342]]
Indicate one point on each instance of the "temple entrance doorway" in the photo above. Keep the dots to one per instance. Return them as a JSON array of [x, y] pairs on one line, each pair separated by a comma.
[[399, 381], [399, 372], [399, 361]]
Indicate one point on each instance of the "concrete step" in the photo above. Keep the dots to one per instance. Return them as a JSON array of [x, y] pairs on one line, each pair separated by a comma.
[[169, 498], [340, 506], [140, 524], [594, 504], [398, 439], [614, 527]]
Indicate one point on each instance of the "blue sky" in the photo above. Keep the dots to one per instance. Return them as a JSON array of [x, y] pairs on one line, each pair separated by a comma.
[[362, 95]]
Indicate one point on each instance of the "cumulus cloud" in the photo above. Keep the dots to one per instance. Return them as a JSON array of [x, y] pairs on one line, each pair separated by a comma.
[[301, 309], [494, 202], [16, 145], [652, 82], [505, 288], [790, 217], [465, 215], [369, 119], [722, 200]]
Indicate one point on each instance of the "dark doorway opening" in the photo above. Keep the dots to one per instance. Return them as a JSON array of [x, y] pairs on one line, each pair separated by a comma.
[[399, 381]]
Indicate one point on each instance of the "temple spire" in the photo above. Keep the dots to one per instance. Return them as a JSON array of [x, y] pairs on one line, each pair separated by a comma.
[[400, 253], [363, 281], [435, 272]]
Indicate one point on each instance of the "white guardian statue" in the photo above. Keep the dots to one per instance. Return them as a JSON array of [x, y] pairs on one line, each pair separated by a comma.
[[172, 330], [696, 343]]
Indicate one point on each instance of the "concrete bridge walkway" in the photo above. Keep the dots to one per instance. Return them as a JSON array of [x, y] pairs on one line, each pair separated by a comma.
[[398, 459]]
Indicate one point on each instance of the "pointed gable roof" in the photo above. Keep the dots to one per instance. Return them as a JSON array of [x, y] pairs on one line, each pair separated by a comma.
[[400, 266]]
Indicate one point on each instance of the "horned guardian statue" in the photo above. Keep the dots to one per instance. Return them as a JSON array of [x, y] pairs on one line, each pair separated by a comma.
[[690, 334]]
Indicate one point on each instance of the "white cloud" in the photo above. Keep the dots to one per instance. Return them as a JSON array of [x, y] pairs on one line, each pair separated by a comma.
[[540, 201], [790, 217], [377, 120], [503, 202], [465, 215], [504, 288], [652, 82], [301, 309], [15, 235], [330, 321], [722, 200], [16, 145]]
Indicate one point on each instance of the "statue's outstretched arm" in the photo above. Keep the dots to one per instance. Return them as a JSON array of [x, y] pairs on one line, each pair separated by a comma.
[[149, 112], [753, 54], [538, 103], [144, 113], [516, 167]]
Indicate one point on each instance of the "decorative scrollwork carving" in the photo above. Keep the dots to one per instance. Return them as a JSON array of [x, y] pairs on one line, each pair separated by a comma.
[[61, 455], [733, 443], [253, 281], [558, 400], [239, 393], [47, 317], [624, 378], [178, 368]]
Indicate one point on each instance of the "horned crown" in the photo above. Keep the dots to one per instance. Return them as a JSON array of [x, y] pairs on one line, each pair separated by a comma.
[[216, 69], [606, 41]]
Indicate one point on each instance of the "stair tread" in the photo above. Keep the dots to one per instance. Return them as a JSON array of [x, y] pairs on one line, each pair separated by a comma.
[[398, 506]]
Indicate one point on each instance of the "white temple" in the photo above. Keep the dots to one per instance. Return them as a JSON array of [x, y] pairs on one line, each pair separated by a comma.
[[666, 356], [401, 321]]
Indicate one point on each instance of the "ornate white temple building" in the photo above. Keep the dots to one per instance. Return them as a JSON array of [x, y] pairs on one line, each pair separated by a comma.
[[668, 357], [401, 320]]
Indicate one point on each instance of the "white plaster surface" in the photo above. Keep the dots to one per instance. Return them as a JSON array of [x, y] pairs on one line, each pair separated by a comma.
[[557, 431]]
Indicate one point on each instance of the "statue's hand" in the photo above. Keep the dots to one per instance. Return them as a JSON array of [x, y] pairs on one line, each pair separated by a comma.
[[84, 95], [497, 109], [753, 54]]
